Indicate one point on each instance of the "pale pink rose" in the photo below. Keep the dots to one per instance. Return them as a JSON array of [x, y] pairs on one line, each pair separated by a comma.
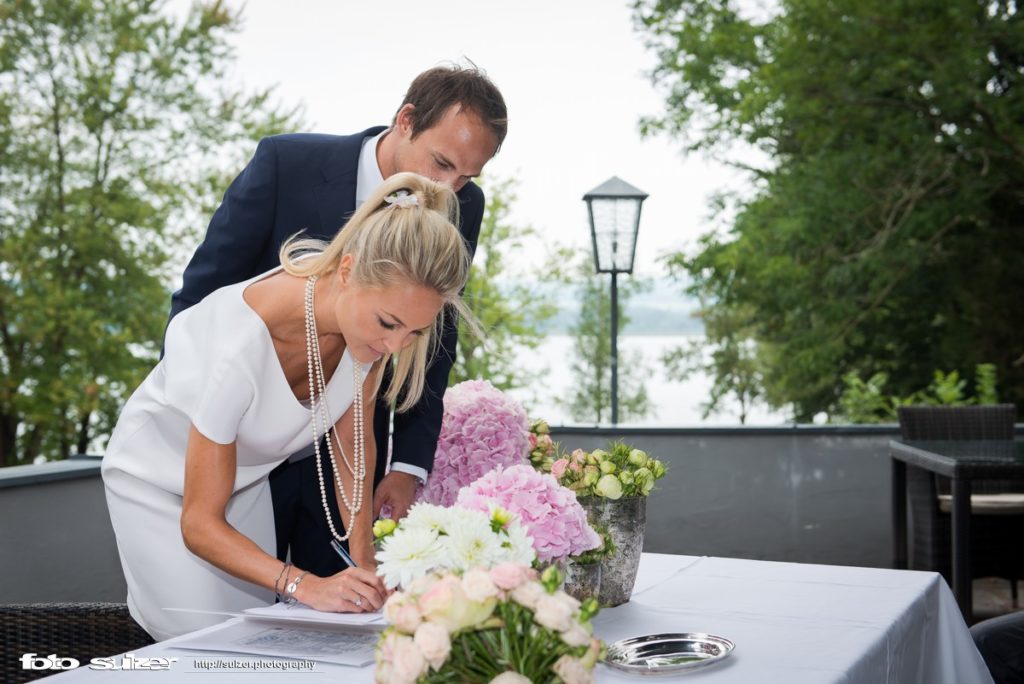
[[510, 678], [382, 673], [558, 467], [571, 602], [421, 585], [446, 604], [589, 658], [528, 594], [576, 635], [434, 643], [575, 467], [478, 585], [579, 456], [509, 575], [545, 441], [407, 618], [571, 671], [552, 613], [533, 441], [409, 662]]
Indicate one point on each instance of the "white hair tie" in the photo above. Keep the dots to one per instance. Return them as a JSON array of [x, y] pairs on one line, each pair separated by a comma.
[[403, 199]]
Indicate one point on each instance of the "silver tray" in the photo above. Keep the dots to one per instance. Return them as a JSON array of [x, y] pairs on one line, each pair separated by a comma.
[[656, 654]]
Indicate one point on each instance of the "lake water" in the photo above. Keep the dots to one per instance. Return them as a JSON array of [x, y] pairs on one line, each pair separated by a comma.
[[674, 404]]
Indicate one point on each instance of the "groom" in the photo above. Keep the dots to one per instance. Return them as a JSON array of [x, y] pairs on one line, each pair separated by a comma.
[[450, 124]]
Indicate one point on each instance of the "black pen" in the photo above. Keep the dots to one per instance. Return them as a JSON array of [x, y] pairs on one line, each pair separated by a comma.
[[343, 553]]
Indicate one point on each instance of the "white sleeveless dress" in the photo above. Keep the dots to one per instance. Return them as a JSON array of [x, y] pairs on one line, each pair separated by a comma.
[[220, 373]]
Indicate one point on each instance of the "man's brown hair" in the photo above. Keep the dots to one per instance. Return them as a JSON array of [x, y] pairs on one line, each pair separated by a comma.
[[434, 91]]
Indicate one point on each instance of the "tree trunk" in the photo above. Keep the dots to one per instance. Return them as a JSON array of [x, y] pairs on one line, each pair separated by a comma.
[[33, 444], [8, 440], [83, 433]]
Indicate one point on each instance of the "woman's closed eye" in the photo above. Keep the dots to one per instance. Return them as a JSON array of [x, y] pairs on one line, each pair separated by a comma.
[[386, 325]]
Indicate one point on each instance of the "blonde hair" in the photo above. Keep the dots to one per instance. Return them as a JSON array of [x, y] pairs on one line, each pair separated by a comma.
[[394, 244]]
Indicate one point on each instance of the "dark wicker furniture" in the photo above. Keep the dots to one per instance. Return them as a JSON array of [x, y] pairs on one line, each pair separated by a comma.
[[70, 630], [971, 447]]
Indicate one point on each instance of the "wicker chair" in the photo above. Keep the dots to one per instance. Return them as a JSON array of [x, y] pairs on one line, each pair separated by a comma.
[[70, 630], [994, 550]]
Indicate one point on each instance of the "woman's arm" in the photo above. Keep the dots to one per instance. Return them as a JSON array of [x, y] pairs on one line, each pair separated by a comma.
[[210, 470]]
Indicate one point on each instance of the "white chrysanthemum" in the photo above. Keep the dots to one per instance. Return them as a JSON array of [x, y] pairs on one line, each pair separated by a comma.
[[518, 545], [408, 554], [427, 517], [471, 543]]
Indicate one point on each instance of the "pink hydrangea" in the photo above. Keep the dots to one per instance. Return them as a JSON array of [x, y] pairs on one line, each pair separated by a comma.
[[550, 512], [483, 428]]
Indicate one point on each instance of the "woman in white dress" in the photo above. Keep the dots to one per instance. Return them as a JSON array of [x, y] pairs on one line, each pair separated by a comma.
[[255, 372]]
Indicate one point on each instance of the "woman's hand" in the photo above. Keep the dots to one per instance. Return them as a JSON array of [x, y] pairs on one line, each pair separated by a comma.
[[355, 590]]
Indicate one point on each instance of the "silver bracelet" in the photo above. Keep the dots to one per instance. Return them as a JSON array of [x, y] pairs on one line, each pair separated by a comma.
[[284, 570], [289, 591]]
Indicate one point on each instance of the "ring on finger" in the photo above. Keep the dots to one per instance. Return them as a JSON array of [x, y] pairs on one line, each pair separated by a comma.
[[358, 601]]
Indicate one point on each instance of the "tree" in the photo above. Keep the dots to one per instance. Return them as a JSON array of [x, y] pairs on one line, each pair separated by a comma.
[[591, 368], [885, 234], [117, 123], [505, 298]]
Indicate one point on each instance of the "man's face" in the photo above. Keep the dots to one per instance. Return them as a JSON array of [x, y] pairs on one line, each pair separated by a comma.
[[452, 152]]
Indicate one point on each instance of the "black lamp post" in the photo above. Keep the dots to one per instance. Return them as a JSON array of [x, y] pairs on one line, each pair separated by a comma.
[[614, 209]]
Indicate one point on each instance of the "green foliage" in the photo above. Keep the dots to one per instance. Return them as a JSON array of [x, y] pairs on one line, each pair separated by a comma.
[[866, 401], [885, 234], [110, 110], [506, 300], [590, 399]]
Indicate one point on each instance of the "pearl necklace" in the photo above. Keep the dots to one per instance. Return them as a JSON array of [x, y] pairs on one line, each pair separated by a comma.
[[318, 409]]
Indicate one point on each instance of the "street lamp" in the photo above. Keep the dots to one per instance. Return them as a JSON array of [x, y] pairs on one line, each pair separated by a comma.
[[614, 209]]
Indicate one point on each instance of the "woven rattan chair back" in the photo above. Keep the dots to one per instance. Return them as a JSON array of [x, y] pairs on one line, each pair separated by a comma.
[[82, 631]]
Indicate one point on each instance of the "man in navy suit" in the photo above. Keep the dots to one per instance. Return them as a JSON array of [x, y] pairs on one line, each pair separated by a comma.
[[451, 123]]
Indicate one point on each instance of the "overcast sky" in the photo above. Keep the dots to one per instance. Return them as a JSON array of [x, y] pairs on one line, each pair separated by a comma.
[[572, 73]]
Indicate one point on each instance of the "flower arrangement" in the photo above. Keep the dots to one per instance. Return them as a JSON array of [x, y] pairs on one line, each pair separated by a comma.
[[542, 448], [500, 625], [482, 428], [552, 516], [436, 539], [620, 471]]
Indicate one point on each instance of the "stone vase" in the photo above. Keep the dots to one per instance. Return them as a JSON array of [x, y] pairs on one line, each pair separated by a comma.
[[625, 519], [582, 581]]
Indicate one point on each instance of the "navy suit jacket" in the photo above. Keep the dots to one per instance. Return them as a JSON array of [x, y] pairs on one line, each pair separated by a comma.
[[307, 182]]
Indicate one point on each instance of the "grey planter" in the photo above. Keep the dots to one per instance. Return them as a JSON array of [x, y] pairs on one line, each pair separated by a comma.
[[625, 519]]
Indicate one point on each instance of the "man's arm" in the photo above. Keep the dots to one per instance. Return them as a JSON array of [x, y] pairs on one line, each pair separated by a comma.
[[417, 430], [239, 232]]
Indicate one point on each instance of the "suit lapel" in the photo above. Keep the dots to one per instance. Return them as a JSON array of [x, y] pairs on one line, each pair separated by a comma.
[[336, 198]]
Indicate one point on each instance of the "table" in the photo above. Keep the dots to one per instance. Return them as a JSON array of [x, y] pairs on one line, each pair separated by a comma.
[[794, 623], [962, 462]]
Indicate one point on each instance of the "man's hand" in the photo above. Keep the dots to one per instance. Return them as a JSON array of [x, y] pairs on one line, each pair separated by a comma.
[[397, 490]]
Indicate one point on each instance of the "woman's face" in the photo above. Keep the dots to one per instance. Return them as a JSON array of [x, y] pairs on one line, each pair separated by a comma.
[[380, 320]]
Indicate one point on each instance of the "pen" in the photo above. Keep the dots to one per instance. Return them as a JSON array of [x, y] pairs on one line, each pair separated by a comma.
[[343, 553]]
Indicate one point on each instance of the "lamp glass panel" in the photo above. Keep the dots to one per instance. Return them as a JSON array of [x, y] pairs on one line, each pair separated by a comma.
[[615, 223]]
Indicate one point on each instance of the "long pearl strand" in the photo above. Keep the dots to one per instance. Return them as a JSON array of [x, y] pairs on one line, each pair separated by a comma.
[[318, 408]]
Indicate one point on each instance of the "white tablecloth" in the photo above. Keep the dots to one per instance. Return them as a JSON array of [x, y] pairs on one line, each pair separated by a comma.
[[791, 622]]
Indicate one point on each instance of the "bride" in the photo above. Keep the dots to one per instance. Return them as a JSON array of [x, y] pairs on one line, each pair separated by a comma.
[[255, 372]]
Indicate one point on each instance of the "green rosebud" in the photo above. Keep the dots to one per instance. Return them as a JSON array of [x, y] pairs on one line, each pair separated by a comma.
[[383, 527], [551, 578], [626, 477], [638, 458], [589, 609], [540, 427], [591, 475], [608, 486], [647, 486], [658, 468], [641, 475], [607, 467], [599, 454]]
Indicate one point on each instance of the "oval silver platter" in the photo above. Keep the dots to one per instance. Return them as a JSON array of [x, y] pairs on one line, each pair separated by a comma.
[[656, 654]]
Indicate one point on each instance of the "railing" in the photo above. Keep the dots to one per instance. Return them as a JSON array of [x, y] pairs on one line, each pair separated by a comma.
[[817, 494]]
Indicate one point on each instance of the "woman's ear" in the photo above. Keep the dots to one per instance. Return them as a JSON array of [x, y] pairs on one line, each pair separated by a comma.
[[345, 269]]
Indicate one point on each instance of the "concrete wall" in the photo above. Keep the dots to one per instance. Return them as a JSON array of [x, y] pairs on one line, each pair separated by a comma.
[[56, 542], [806, 494]]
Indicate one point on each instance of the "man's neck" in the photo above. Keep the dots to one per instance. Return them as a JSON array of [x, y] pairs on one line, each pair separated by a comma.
[[385, 153]]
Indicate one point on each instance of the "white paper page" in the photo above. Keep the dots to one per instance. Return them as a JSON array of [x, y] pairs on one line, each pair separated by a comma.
[[302, 613], [342, 647]]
